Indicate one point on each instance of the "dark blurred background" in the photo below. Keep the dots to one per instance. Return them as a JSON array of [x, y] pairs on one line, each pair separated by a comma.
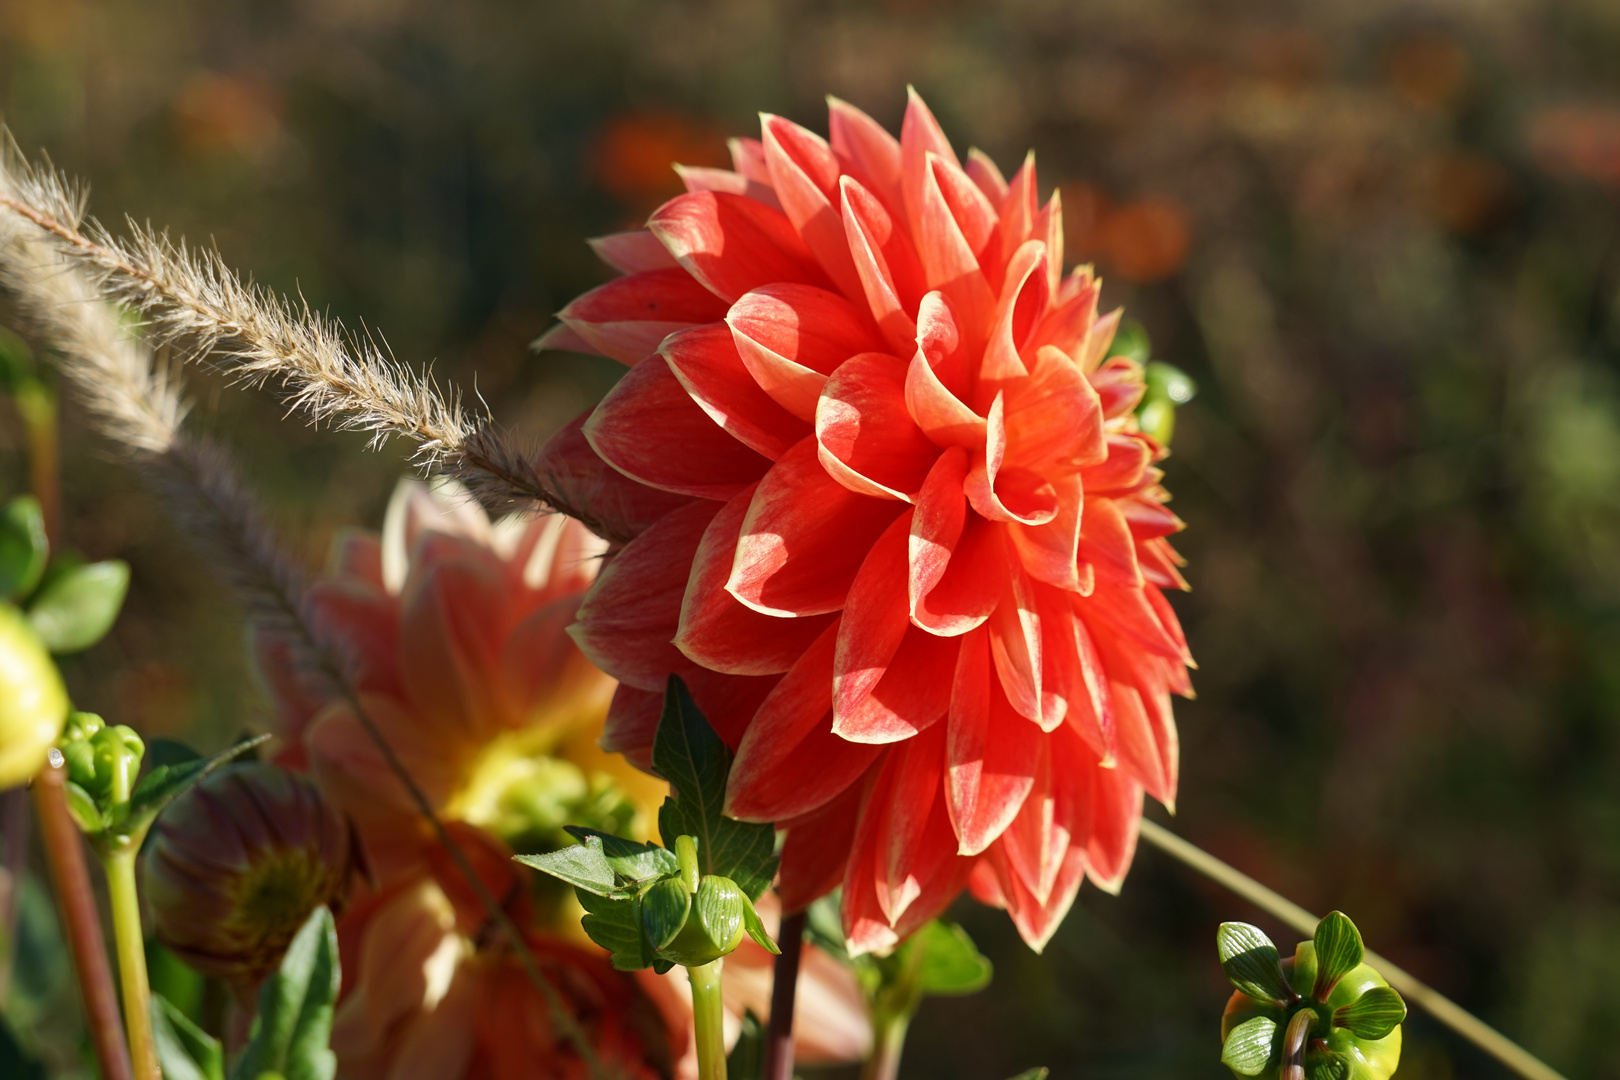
[[1384, 238]]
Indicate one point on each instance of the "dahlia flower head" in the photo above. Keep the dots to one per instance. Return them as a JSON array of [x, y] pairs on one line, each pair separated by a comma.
[[878, 494]]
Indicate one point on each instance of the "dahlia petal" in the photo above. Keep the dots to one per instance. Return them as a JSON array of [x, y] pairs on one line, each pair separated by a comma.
[[865, 923], [1098, 339], [873, 622], [804, 175], [1149, 519], [1023, 300], [804, 538], [1050, 551], [649, 428], [635, 252], [983, 883], [948, 256], [975, 215], [610, 503], [969, 589], [748, 158], [1038, 920], [866, 151], [540, 666], [1049, 229], [1015, 646], [883, 258], [716, 631], [1068, 321], [920, 135], [911, 696], [1140, 751], [365, 619], [731, 243], [867, 440], [1117, 817], [447, 637], [983, 172], [937, 524], [1075, 674], [816, 849], [632, 724], [1036, 842], [1130, 615], [1017, 210], [791, 337], [789, 762], [987, 777], [914, 835], [1054, 418], [1160, 564], [624, 622], [1006, 493], [1119, 384], [706, 362], [1128, 456], [938, 411], [563, 338], [1106, 544], [629, 316], [698, 178], [1167, 619]]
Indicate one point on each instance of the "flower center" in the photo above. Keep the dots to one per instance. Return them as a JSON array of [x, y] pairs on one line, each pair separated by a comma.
[[525, 796]]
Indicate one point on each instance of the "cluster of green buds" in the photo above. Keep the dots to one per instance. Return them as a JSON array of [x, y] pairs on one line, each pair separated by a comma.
[[1322, 1015], [1167, 386], [102, 762], [46, 607]]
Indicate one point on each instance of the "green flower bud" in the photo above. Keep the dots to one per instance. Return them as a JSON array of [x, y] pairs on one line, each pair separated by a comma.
[[713, 928], [102, 760], [1341, 1016], [33, 701], [235, 865]]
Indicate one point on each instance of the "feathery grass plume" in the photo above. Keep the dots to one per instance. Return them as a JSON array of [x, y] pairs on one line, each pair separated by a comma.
[[140, 408], [192, 300]]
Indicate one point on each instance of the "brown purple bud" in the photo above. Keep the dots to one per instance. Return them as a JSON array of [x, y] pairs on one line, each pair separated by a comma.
[[236, 864]]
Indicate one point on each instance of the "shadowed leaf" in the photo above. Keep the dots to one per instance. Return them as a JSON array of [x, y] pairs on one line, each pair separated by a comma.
[[1338, 952], [1251, 962], [1373, 1015]]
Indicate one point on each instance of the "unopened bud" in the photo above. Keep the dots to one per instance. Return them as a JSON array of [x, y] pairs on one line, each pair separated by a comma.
[[236, 864]]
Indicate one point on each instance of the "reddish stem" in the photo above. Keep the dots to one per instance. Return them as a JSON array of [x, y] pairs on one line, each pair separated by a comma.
[[64, 851], [784, 987]]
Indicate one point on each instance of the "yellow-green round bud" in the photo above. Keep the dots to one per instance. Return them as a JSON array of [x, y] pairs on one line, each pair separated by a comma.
[[33, 701]]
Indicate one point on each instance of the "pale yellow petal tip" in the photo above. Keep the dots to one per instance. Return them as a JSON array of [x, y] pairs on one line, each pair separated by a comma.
[[1111, 886], [1109, 761]]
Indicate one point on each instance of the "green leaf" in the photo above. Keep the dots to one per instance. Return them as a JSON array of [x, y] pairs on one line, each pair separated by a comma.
[[1327, 1065], [16, 361], [747, 1058], [951, 964], [1040, 1072], [1249, 1047], [1166, 382], [1251, 962], [162, 785], [756, 930], [824, 927], [581, 865], [23, 547], [75, 609], [1338, 952], [694, 760], [664, 909], [1373, 1015], [630, 859], [616, 926], [185, 1051], [293, 1033]]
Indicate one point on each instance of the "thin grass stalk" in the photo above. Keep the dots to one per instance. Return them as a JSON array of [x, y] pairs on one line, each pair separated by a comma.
[[1414, 990]]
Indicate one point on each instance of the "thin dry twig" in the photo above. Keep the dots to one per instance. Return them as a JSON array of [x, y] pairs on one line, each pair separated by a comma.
[[140, 408], [192, 300]]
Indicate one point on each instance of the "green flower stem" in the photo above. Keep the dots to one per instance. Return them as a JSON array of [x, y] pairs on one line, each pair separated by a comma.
[[708, 1018], [888, 1040], [686, 853], [131, 946], [1442, 1008], [64, 852]]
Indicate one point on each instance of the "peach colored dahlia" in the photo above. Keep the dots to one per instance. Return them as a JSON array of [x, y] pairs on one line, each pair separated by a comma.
[[883, 502]]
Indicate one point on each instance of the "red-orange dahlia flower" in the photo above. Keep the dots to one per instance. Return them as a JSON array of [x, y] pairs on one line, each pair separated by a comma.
[[885, 506]]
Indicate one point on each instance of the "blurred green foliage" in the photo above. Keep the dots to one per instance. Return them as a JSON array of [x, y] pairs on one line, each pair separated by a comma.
[[1384, 240]]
